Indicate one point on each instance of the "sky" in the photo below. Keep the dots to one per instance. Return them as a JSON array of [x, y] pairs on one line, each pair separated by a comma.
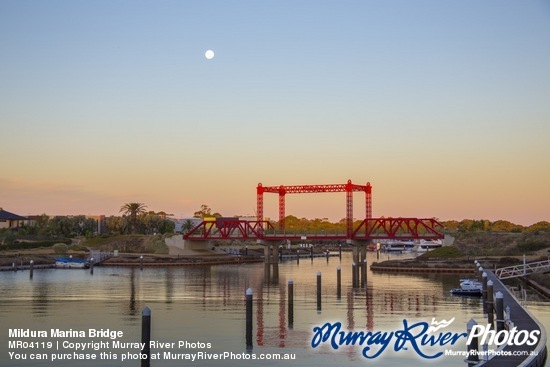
[[443, 106]]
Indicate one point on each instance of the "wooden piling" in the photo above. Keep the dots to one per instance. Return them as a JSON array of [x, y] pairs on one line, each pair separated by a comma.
[[499, 305], [31, 268], [249, 318], [484, 285], [318, 291], [146, 336], [480, 274], [473, 347], [364, 273], [354, 275], [338, 282], [141, 262], [490, 305], [290, 303]]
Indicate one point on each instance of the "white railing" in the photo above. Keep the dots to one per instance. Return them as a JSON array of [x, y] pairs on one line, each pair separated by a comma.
[[523, 269]]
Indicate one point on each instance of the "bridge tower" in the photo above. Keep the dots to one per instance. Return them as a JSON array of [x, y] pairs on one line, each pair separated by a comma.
[[349, 188]]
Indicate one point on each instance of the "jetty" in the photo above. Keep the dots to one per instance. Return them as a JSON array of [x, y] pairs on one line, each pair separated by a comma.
[[515, 315]]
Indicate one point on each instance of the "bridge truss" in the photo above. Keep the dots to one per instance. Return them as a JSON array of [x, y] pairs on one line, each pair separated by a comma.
[[349, 188], [369, 229]]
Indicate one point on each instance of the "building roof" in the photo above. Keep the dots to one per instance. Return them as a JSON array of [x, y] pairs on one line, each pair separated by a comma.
[[10, 216]]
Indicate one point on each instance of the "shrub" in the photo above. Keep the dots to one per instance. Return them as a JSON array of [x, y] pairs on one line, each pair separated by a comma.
[[60, 248], [532, 246]]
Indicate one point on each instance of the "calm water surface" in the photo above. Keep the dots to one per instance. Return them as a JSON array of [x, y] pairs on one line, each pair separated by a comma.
[[206, 304]]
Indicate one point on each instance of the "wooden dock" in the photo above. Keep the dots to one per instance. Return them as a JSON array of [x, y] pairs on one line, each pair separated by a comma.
[[522, 319], [27, 267]]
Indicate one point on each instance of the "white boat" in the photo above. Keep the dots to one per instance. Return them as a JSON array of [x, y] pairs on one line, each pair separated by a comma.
[[468, 287], [398, 246], [426, 245], [429, 244]]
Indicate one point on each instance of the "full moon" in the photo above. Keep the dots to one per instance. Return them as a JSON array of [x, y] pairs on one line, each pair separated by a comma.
[[209, 54]]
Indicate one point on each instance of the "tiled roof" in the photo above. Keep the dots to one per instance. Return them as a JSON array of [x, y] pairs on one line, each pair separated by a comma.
[[10, 216]]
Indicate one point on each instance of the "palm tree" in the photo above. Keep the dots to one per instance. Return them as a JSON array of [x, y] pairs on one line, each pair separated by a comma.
[[133, 210], [187, 226]]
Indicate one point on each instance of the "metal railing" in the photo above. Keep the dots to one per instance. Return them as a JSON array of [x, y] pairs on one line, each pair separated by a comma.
[[523, 269]]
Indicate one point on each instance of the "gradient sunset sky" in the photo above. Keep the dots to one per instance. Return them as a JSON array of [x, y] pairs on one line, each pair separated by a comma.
[[444, 106]]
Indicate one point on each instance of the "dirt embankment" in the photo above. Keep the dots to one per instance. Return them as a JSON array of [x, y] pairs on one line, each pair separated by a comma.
[[479, 244], [141, 244]]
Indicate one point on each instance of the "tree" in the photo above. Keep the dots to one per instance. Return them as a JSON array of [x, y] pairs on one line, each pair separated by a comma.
[[204, 212], [132, 210], [116, 224], [187, 226]]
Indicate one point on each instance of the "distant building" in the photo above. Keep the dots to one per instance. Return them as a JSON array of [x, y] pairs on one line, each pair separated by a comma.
[[10, 220]]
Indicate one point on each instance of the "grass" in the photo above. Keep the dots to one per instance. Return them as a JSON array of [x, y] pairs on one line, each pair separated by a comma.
[[445, 252], [131, 243]]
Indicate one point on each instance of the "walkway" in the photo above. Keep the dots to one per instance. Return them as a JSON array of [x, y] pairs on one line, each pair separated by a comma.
[[523, 269], [522, 320]]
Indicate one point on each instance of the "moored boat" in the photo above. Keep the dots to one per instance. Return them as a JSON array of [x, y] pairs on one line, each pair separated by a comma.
[[468, 287], [398, 246], [70, 263]]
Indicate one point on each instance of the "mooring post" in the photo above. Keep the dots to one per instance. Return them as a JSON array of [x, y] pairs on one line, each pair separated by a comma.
[[480, 274], [146, 336], [340, 251], [246, 251], [318, 291], [353, 275], [141, 262], [290, 303], [338, 282], [92, 266], [14, 266], [249, 318], [311, 252], [473, 347], [364, 273], [297, 256], [327, 253], [31, 264], [499, 305], [484, 285], [490, 305]]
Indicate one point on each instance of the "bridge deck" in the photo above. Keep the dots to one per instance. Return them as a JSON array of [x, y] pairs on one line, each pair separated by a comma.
[[522, 319]]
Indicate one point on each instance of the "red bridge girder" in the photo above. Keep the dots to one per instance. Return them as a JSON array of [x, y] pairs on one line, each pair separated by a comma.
[[369, 229], [282, 190], [399, 228]]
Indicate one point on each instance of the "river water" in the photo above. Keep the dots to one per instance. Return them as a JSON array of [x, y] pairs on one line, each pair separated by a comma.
[[206, 305]]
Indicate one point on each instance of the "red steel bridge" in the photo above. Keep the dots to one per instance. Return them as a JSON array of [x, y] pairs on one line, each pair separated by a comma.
[[369, 229]]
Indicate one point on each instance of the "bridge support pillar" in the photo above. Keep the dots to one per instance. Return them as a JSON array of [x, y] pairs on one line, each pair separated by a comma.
[[271, 259], [360, 258], [179, 246]]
